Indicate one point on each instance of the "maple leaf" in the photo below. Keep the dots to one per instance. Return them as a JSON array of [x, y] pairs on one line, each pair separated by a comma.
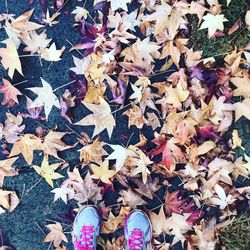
[[117, 4], [102, 172], [177, 95], [223, 200], [22, 24], [9, 200], [147, 189], [10, 93], [140, 164], [50, 20], [48, 171], [179, 226], [160, 16], [136, 117], [115, 222], [93, 152], [51, 54], [62, 193], [173, 204], [146, 49], [35, 42], [45, 98], [6, 169], [80, 65], [80, 13], [213, 23], [120, 154], [53, 143], [25, 145], [159, 222], [242, 84], [85, 189], [101, 118], [131, 198], [12, 128], [206, 147], [56, 234], [10, 59], [242, 109], [174, 49]]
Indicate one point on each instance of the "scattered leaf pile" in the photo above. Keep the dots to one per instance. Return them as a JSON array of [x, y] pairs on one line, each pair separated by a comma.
[[133, 69]]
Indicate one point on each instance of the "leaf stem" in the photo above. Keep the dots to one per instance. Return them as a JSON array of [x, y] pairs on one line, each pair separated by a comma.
[[64, 85]]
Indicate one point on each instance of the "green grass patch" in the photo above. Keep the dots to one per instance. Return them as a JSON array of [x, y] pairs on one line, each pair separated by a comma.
[[222, 45], [236, 235]]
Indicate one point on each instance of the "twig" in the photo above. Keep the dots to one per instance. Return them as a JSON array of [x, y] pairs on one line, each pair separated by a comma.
[[16, 84], [117, 110], [32, 187], [64, 85], [73, 131], [6, 6], [40, 228], [29, 55], [238, 34], [73, 45]]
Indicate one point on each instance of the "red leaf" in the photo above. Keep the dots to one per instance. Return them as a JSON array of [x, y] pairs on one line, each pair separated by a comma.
[[10, 93], [194, 217], [173, 204]]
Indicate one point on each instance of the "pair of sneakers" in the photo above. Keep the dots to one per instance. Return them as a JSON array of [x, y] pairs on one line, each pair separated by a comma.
[[87, 226]]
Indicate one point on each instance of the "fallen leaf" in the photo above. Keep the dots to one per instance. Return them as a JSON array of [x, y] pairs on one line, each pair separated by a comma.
[[131, 198], [25, 145], [242, 109], [101, 118], [92, 152], [120, 154], [51, 54], [9, 200], [53, 143], [6, 169], [35, 43], [206, 147], [213, 23], [56, 234], [48, 171], [10, 59], [10, 93], [119, 4], [159, 222], [242, 84], [45, 98], [62, 193], [102, 172]]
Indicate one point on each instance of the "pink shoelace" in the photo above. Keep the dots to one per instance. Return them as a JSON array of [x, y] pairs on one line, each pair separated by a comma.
[[136, 240], [86, 239]]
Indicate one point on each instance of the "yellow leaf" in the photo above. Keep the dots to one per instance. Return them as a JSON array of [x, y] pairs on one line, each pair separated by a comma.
[[176, 95], [242, 109], [102, 172], [25, 145], [10, 59], [206, 147], [236, 140], [6, 169], [48, 171], [242, 84], [8, 199]]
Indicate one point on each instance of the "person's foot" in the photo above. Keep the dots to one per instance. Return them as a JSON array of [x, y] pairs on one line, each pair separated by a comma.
[[137, 231], [86, 228]]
